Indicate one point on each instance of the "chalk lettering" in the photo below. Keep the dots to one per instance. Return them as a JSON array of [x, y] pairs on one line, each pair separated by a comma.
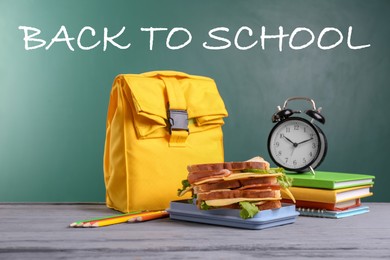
[[81, 34], [279, 36], [323, 32], [250, 33], [172, 32], [151, 37], [30, 38], [292, 36], [57, 38], [218, 38], [349, 41], [106, 39]]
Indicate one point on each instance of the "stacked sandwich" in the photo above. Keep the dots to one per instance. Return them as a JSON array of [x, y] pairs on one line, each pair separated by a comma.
[[249, 185]]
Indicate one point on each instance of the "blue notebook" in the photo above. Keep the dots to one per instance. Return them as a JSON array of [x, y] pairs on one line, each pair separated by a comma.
[[182, 210], [322, 213]]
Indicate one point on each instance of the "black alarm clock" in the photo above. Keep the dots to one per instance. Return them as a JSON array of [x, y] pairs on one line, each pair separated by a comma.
[[295, 143]]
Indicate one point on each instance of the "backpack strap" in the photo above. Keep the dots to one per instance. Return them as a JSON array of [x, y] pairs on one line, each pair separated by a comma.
[[177, 112]]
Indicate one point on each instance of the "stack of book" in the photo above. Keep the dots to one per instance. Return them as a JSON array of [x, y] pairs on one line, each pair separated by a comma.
[[330, 194]]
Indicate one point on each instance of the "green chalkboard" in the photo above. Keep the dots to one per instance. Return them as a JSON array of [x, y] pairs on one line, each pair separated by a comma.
[[58, 60]]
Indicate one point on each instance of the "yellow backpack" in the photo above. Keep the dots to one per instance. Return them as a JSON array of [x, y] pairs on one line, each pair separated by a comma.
[[158, 123]]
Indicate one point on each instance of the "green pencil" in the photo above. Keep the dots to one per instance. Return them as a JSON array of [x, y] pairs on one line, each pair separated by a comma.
[[80, 223]]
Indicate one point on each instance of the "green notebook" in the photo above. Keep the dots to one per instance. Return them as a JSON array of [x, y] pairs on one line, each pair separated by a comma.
[[330, 180]]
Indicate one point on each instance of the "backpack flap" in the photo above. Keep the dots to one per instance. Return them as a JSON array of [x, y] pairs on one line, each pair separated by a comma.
[[196, 96]]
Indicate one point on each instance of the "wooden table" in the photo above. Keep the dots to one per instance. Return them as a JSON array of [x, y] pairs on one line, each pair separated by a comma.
[[40, 231]]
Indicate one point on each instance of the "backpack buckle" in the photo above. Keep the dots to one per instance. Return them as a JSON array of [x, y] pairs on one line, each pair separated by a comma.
[[178, 120]]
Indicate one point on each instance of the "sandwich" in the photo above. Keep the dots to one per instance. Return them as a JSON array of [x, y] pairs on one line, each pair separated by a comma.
[[249, 185]]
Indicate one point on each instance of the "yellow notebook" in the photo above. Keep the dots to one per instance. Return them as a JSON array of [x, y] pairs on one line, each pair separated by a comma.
[[329, 196]]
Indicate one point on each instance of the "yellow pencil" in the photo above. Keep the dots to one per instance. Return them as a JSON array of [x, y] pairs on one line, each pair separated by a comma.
[[80, 223], [149, 216], [118, 220]]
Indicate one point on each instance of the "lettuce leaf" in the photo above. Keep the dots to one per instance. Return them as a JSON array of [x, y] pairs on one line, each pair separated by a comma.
[[285, 181], [204, 206], [185, 185], [248, 210], [263, 171]]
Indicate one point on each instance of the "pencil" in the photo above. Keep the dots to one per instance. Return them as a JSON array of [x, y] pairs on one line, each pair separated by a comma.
[[118, 220], [80, 223], [149, 216]]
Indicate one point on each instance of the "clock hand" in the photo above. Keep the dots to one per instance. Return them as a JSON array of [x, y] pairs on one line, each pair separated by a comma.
[[292, 150], [305, 141], [294, 144]]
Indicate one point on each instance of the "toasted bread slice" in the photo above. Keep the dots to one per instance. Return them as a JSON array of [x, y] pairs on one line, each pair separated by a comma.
[[262, 194], [200, 176], [233, 166]]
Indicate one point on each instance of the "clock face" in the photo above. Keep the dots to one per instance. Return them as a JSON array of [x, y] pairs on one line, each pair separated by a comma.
[[294, 144]]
